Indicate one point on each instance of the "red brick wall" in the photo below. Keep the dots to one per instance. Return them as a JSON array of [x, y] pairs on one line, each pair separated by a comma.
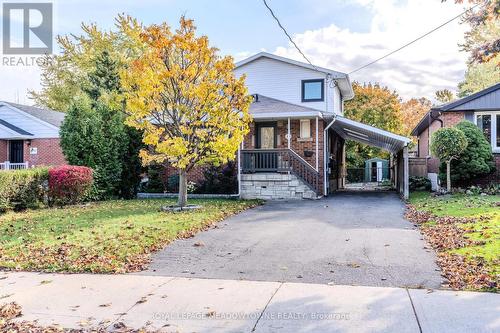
[[194, 175], [49, 152], [4, 150], [452, 118], [449, 119], [297, 145]]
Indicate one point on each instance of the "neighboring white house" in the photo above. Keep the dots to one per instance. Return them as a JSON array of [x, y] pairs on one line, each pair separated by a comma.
[[29, 136]]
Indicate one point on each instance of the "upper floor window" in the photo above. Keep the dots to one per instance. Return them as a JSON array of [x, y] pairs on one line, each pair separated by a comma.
[[313, 90], [489, 123]]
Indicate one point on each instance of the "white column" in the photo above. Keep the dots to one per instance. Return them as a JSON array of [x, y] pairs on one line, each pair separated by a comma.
[[289, 136], [317, 146], [406, 176]]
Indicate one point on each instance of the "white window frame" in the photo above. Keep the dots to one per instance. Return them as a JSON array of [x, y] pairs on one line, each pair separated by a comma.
[[301, 134], [493, 139]]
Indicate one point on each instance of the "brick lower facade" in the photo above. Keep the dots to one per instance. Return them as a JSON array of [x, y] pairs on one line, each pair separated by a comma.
[[37, 152], [306, 148]]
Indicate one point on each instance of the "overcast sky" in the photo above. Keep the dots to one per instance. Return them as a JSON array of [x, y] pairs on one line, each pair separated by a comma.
[[337, 34]]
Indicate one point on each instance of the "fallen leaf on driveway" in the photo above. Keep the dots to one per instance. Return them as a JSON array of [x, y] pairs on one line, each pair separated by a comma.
[[45, 282], [198, 244], [142, 300], [353, 265], [105, 305], [83, 323]]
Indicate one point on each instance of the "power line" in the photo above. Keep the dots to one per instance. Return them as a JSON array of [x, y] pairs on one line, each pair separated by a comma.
[[376, 60], [289, 37], [415, 40]]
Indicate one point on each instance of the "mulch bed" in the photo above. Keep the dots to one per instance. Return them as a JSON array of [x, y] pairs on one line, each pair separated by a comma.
[[448, 233]]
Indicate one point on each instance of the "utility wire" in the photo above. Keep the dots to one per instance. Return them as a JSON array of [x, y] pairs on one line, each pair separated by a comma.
[[289, 37], [415, 40], [376, 60]]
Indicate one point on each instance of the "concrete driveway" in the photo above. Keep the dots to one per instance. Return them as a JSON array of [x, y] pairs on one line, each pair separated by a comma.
[[349, 238]]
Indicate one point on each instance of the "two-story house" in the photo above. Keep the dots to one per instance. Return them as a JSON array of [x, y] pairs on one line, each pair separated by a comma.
[[296, 145]]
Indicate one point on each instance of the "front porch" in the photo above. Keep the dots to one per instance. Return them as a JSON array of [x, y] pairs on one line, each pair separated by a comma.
[[296, 152]]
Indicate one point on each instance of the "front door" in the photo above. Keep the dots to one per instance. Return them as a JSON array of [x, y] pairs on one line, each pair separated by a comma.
[[266, 139], [16, 151], [266, 135]]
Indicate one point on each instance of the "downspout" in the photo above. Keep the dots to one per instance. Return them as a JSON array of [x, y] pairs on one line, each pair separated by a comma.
[[325, 159]]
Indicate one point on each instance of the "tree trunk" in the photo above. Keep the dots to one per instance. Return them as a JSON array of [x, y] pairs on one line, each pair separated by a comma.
[[448, 176], [182, 201]]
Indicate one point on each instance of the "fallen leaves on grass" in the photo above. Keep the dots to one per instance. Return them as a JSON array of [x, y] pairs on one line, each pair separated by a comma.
[[450, 233], [106, 249], [463, 273]]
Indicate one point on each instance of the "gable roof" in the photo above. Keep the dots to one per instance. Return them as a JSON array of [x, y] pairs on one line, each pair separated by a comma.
[[264, 107], [484, 100], [14, 128], [343, 80], [50, 116], [466, 103], [19, 121]]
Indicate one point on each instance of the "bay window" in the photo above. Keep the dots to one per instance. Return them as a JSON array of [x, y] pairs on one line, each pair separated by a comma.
[[489, 123]]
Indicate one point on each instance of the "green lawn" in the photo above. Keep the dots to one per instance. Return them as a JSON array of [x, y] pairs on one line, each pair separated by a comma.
[[103, 237], [485, 229]]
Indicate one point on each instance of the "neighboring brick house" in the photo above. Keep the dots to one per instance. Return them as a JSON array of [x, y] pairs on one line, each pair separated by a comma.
[[481, 108], [29, 136]]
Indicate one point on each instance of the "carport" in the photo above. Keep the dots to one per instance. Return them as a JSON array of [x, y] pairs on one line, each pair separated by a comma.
[[341, 129]]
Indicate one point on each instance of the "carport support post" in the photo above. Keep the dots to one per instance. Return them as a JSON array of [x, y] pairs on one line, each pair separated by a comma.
[[406, 176]]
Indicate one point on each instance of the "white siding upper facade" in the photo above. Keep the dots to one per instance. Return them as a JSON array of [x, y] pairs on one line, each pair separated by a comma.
[[33, 125], [283, 81]]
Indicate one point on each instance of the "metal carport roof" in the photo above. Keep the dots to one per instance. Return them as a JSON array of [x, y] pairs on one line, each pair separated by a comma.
[[352, 130]]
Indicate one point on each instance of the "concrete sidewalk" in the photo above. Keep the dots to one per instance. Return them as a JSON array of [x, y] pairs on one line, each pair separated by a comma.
[[205, 305]]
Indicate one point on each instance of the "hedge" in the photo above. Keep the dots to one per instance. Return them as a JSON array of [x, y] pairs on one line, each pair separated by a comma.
[[21, 189], [32, 188]]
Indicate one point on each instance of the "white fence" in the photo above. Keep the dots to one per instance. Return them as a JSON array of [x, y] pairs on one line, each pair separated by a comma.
[[13, 166]]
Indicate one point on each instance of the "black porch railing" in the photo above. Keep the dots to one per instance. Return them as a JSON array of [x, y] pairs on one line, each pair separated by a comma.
[[280, 160]]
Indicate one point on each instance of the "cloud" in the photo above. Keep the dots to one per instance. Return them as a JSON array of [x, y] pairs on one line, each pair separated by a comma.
[[432, 63]]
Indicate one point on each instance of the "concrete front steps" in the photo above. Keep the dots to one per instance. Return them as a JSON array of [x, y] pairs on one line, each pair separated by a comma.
[[275, 186]]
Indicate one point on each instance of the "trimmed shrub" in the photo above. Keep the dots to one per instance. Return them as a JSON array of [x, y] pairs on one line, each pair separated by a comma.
[[420, 184], [21, 189], [475, 161], [221, 179], [69, 184]]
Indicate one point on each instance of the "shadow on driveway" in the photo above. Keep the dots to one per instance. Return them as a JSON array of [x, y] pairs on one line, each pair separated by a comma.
[[349, 238]]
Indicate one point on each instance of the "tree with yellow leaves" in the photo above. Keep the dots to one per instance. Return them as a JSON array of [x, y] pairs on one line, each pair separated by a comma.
[[186, 100]]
